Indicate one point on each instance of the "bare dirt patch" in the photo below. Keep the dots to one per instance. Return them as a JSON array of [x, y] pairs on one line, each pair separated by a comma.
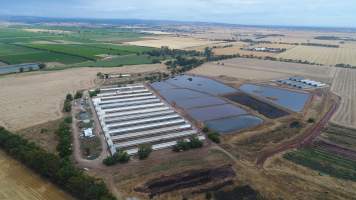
[[34, 98], [187, 179], [43, 134]]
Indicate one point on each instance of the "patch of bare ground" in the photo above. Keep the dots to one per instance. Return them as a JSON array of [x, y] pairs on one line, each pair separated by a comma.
[[250, 145], [187, 179], [34, 98], [309, 183], [43, 134], [126, 177]]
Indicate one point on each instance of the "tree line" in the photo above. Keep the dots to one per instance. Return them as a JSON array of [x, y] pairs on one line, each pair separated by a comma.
[[60, 171]]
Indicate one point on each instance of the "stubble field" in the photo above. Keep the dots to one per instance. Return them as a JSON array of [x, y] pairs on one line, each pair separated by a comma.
[[253, 69], [19, 183], [35, 98], [344, 85], [171, 42], [322, 55]]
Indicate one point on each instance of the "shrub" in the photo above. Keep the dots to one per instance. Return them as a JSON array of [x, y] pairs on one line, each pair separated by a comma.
[[195, 143], [68, 120], [78, 95], [214, 136], [144, 151], [295, 124], [311, 120], [183, 145], [118, 157], [205, 129], [94, 93]]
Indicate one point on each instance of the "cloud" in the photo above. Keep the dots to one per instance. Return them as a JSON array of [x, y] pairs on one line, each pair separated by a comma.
[[284, 12]]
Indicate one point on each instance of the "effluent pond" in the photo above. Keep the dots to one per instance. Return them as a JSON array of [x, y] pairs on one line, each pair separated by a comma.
[[291, 100], [202, 99]]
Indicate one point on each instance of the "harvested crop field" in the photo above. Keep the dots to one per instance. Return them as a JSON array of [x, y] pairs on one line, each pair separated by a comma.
[[171, 42], [19, 183], [254, 69], [344, 85], [35, 98], [321, 55]]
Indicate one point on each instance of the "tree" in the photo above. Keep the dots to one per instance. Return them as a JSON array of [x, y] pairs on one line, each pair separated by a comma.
[[208, 53], [144, 151], [42, 65], [69, 97]]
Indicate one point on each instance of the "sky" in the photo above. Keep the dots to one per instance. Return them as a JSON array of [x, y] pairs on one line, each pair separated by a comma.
[[328, 13]]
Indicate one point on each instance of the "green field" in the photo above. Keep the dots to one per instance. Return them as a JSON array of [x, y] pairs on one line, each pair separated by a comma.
[[41, 57], [88, 52], [324, 162], [77, 48]]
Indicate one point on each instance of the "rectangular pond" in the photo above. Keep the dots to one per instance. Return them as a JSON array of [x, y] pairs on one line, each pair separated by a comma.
[[234, 124], [200, 102], [291, 100], [174, 95], [18, 68], [201, 84], [216, 112], [264, 108]]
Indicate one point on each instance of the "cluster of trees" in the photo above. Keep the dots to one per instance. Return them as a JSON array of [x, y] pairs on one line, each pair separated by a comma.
[[183, 64], [344, 65], [156, 77], [60, 171], [64, 134], [185, 145], [167, 52], [118, 157], [67, 107], [320, 45]]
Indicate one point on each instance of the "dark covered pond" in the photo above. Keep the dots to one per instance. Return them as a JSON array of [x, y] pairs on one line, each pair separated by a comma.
[[291, 100], [264, 108]]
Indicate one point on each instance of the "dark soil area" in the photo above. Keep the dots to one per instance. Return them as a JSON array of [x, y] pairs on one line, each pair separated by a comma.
[[238, 193], [265, 109], [186, 179]]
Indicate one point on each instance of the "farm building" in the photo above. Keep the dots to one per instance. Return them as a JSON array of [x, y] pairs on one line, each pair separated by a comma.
[[133, 115], [302, 83]]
